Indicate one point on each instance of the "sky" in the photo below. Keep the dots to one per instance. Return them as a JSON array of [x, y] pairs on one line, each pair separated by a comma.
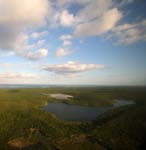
[[98, 42]]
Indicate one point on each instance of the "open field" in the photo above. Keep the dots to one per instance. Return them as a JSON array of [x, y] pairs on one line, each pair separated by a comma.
[[120, 129]]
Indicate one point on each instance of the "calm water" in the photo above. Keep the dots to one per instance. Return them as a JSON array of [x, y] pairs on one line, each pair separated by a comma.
[[81, 113]]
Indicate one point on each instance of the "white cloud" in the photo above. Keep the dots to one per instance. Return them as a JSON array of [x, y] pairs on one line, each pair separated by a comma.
[[21, 43], [6, 65], [61, 18], [90, 10], [16, 17], [40, 43], [17, 76], [26, 13], [96, 17], [66, 37], [66, 19], [67, 43], [62, 52], [37, 35], [41, 53], [98, 27], [71, 67], [93, 10], [130, 33], [29, 51], [6, 54]]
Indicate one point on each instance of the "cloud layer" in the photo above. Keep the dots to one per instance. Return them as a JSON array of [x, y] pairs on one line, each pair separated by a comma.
[[16, 17], [33, 28], [19, 22], [17, 75], [71, 67], [98, 27], [130, 33]]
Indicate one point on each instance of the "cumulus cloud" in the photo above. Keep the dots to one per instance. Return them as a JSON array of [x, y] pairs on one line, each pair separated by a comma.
[[37, 35], [93, 10], [40, 43], [66, 19], [130, 33], [61, 17], [16, 17], [71, 67], [41, 53], [62, 52], [29, 51], [67, 43], [26, 13], [66, 39], [98, 27]]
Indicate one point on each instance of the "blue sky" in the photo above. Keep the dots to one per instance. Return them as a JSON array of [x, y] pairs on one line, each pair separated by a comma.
[[101, 42]]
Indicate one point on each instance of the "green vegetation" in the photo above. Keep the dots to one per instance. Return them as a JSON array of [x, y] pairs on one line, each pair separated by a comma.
[[120, 129]]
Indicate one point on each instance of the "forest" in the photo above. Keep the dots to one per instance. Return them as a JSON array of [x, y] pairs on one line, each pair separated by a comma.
[[25, 125]]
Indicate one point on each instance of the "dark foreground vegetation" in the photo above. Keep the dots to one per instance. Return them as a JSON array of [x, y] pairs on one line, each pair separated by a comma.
[[24, 125]]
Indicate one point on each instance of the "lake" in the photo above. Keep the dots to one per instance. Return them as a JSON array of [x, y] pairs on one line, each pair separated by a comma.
[[81, 113]]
